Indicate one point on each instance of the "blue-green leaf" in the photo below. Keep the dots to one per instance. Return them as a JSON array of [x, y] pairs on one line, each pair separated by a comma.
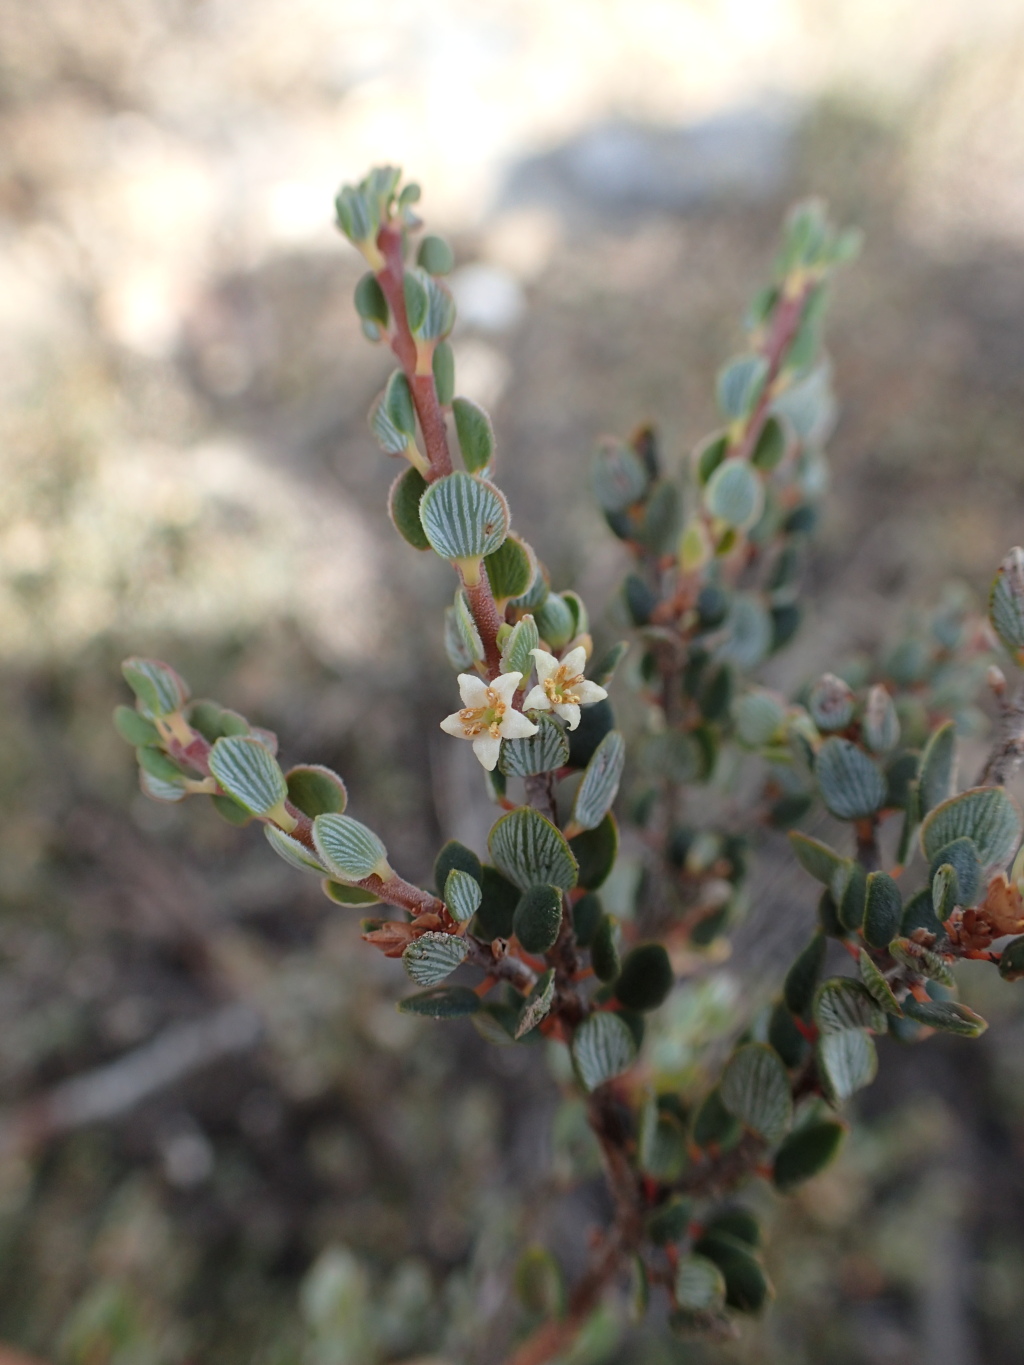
[[739, 386], [842, 1003], [433, 956], [528, 849], [476, 439], [602, 1047], [1006, 602], [442, 1002], [937, 768], [735, 493], [462, 896], [515, 652], [847, 1061], [543, 752], [294, 853], [159, 689], [851, 784], [600, 784], [463, 517], [755, 1090], [619, 477], [350, 850], [988, 815], [248, 771]]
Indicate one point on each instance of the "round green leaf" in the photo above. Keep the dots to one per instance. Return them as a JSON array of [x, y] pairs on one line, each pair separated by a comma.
[[515, 652], [851, 784], [463, 517], [735, 493], [510, 570], [543, 752], [600, 784], [538, 918], [433, 956], [842, 1003], [815, 857], [452, 855], [755, 1089], [1006, 602], [876, 985], [988, 815], [435, 256], [937, 768], [528, 849], [947, 1015], [847, 1062], [699, 1285], [316, 790], [802, 977], [350, 850], [404, 499], [442, 1002], [247, 771], [462, 896], [646, 978], [294, 853], [806, 1152], [602, 1047], [476, 440], [159, 689], [739, 385], [136, 729], [883, 910], [618, 476], [343, 894], [595, 851]]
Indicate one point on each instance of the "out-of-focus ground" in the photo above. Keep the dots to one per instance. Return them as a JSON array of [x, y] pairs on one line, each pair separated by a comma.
[[186, 472]]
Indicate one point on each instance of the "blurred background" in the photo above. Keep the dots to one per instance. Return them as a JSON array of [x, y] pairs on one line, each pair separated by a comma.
[[219, 1142]]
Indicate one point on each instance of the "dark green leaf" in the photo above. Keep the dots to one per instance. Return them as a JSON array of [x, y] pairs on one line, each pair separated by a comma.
[[802, 977], [455, 855], [988, 815], [510, 570], [442, 1002], [595, 851], [476, 439], [851, 784], [937, 767], [315, 790], [646, 977], [806, 1152], [404, 507], [538, 918], [494, 918], [883, 910], [842, 1003], [947, 1015]]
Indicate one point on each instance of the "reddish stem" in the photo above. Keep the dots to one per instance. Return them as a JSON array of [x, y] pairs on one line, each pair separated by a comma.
[[785, 324], [424, 391], [487, 617]]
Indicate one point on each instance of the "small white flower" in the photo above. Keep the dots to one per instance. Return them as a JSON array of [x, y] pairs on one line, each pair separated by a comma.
[[562, 687], [488, 716]]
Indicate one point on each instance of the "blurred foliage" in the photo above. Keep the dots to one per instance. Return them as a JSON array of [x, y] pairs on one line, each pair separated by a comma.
[[219, 1220]]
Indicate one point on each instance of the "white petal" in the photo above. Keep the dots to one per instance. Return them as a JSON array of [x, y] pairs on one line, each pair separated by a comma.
[[514, 725], [536, 700], [452, 725], [546, 663], [588, 692], [569, 712], [487, 751], [575, 661], [505, 684], [472, 689]]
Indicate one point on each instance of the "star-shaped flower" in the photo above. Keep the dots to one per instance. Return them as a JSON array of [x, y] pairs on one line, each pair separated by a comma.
[[561, 686], [488, 716]]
